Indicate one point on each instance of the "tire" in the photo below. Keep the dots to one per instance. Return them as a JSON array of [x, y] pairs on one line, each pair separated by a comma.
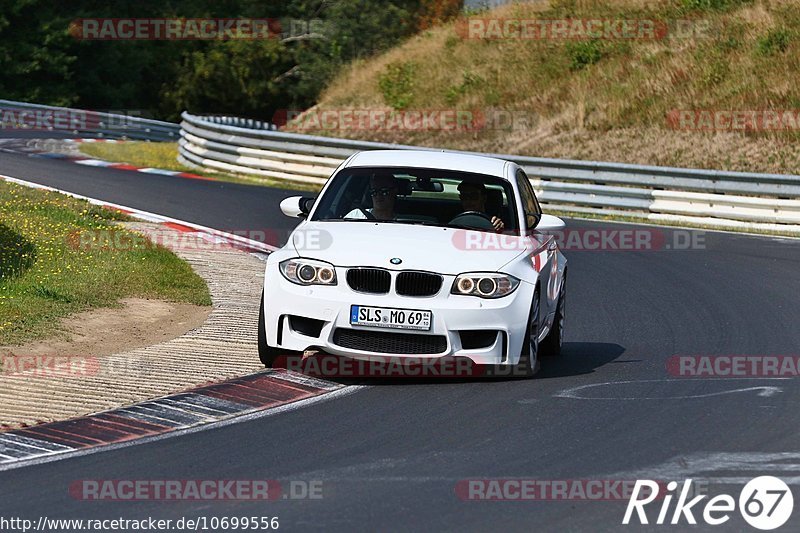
[[266, 353], [551, 345], [528, 364]]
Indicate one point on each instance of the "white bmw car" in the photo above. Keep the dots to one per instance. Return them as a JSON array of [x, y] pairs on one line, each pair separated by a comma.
[[418, 254]]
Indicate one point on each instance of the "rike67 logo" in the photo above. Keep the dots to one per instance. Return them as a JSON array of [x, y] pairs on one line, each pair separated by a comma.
[[765, 503]]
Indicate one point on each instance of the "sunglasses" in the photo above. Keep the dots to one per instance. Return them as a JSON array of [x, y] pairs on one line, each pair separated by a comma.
[[382, 192]]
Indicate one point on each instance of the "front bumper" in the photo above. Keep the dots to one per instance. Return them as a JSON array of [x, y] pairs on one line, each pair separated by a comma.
[[288, 308]]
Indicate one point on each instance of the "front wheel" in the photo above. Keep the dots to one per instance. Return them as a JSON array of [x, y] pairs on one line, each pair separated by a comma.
[[529, 355], [266, 353], [551, 345]]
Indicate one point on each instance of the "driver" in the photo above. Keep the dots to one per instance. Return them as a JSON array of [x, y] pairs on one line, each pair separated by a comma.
[[383, 189], [473, 198]]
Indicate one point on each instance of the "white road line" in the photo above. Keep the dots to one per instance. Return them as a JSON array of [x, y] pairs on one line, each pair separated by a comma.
[[149, 170], [182, 409], [33, 443], [92, 162], [574, 392], [13, 445]]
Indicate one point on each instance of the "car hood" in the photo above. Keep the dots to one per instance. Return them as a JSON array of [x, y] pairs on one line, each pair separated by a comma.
[[435, 249]]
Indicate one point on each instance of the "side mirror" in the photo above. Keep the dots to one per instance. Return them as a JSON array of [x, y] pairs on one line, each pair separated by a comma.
[[550, 223], [297, 206]]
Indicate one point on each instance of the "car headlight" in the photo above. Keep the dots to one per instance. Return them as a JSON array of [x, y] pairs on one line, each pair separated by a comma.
[[308, 272], [484, 285]]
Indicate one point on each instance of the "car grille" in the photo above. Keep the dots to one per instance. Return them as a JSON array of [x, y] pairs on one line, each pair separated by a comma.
[[418, 284], [387, 342], [373, 280]]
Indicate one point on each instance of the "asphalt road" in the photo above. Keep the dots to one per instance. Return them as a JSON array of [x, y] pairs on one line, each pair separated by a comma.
[[227, 206], [389, 456]]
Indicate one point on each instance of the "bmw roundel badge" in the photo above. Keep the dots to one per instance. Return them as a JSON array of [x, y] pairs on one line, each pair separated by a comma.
[[395, 260]]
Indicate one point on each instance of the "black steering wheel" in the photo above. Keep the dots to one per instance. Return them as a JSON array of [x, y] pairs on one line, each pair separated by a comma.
[[367, 214], [472, 219]]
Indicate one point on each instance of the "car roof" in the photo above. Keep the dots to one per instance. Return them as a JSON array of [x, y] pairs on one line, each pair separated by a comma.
[[430, 159]]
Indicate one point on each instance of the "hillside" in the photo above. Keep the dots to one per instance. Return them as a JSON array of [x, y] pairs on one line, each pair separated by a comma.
[[694, 83]]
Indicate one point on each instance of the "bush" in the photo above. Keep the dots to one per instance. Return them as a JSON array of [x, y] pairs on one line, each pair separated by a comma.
[[455, 92], [773, 42], [396, 84], [584, 53], [713, 5]]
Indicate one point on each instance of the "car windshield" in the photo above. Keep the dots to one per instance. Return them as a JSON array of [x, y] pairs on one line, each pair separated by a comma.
[[419, 196]]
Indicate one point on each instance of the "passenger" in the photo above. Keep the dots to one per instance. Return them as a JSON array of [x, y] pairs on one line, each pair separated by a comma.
[[383, 189]]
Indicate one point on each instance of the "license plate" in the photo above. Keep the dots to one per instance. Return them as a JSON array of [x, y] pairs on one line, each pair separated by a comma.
[[384, 317]]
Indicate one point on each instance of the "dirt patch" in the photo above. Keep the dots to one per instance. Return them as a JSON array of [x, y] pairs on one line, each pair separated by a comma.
[[138, 323], [108, 358]]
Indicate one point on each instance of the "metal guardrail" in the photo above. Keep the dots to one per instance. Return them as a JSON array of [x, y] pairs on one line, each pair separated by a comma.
[[240, 122], [661, 194], [231, 144], [25, 117]]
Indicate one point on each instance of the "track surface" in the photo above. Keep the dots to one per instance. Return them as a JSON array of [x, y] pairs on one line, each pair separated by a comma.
[[226, 206], [390, 455]]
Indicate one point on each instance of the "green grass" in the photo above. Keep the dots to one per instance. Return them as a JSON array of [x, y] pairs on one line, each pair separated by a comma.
[[17, 253], [713, 5], [774, 42], [584, 53], [164, 155], [608, 99], [396, 84], [628, 82], [144, 154], [45, 275]]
